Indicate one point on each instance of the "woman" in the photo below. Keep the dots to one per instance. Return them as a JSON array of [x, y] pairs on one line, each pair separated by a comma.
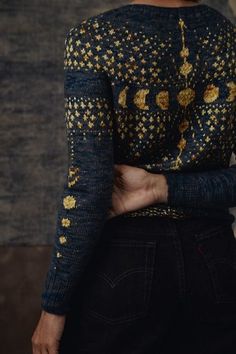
[[144, 259]]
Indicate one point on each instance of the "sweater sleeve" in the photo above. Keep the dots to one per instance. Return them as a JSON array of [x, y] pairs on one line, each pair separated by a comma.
[[87, 191], [214, 189]]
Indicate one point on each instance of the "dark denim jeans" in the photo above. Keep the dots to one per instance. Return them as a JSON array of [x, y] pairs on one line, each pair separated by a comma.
[[157, 285]]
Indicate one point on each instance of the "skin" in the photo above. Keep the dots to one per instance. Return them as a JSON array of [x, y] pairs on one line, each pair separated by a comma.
[[134, 188]]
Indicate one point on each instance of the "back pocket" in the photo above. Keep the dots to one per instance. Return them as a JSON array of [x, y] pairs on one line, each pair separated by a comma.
[[217, 247], [119, 280]]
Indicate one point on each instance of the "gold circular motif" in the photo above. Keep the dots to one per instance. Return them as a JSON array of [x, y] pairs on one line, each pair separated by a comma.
[[184, 52], [211, 93], [186, 68], [162, 100], [182, 143], [183, 126], [59, 255], [69, 202], [62, 239], [140, 99], [186, 96], [65, 222]]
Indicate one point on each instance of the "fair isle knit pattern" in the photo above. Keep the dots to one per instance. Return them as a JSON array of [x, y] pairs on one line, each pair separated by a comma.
[[150, 87]]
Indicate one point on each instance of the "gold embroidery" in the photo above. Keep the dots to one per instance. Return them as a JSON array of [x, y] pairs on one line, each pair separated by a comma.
[[184, 52], [73, 176], [183, 126], [186, 96], [69, 202], [62, 239], [89, 114], [232, 91], [162, 99], [59, 255], [182, 143], [186, 68], [211, 93], [122, 97], [140, 97], [65, 222], [141, 132]]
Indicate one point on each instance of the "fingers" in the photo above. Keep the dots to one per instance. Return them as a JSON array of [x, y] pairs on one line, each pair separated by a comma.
[[53, 349], [46, 337], [44, 349]]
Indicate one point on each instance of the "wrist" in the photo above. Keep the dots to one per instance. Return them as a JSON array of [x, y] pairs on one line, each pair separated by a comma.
[[158, 188]]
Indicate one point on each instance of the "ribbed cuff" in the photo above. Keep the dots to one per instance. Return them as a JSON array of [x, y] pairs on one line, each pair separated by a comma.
[[183, 190], [56, 293]]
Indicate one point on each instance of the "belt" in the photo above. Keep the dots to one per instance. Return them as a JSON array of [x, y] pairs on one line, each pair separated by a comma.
[[159, 210]]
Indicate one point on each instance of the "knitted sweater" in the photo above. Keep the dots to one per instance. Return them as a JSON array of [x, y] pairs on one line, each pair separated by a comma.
[[152, 87]]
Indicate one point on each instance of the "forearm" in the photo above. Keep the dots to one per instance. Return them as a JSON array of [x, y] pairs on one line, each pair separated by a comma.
[[210, 189], [68, 262], [82, 213], [87, 192]]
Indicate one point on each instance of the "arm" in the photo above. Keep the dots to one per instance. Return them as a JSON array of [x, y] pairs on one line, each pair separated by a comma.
[[214, 189], [87, 191], [210, 189]]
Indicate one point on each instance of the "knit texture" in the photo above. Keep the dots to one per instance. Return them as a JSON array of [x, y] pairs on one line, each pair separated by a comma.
[[151, 87]]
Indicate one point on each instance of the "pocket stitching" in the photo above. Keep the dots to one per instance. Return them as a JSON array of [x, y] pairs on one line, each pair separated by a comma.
[[147, 269], [210, 233], [121, 276]]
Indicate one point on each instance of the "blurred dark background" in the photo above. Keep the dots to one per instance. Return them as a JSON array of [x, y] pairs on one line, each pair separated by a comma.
[[33, 149]]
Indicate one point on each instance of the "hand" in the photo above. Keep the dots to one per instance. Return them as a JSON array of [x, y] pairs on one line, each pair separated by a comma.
[[136, 188], [47, 335]]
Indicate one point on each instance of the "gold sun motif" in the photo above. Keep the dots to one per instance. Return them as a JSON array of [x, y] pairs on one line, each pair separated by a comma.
[[186, 96], [211, 93], [65, 222], [69, 202]]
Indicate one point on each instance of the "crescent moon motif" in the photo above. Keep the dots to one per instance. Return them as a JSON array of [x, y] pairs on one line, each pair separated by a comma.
[[123, 97]]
